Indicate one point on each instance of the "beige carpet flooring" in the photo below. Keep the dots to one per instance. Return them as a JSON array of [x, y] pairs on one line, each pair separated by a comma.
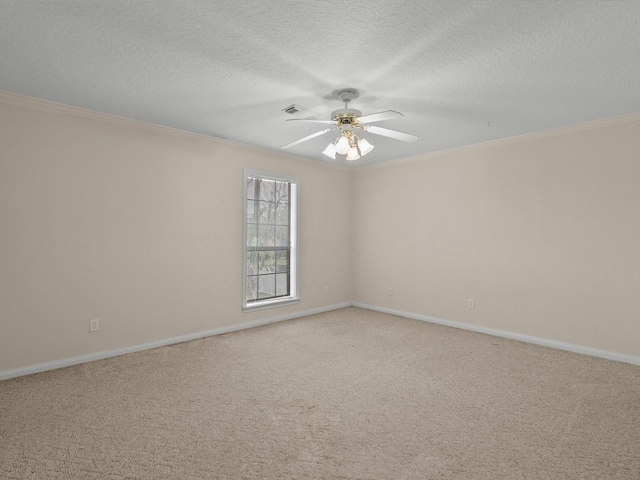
[[349, 394]]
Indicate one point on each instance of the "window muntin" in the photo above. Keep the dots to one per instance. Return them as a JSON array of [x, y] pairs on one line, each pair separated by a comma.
[[270, 235]]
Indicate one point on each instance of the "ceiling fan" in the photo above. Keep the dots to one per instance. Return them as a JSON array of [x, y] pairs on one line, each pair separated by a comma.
[[350, 121]]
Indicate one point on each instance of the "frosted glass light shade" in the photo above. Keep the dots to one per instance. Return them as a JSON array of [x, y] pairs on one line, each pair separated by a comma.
[[353, 153], [364, 146], [330, 151], [342, 146]]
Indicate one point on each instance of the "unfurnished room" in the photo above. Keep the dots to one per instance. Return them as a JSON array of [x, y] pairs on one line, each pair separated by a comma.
[[320, 239]]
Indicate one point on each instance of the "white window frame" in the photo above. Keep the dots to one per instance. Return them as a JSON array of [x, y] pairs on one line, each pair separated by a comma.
[[293, 242]]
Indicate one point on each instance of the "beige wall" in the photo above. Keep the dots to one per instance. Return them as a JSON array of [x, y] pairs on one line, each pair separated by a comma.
[[542, 231], [141, 227]]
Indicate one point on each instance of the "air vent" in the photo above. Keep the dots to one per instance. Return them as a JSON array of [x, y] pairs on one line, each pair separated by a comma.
[[293, 109]]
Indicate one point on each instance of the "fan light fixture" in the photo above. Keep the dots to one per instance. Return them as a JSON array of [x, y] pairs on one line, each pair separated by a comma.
[[346, 120], [348, 144]]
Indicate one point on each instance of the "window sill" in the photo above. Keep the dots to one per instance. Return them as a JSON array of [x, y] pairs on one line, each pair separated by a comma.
[[270, 304]]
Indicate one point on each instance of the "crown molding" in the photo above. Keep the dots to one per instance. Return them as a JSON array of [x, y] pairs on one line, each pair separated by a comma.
[[63, 109], [527, 137], [70, 110]]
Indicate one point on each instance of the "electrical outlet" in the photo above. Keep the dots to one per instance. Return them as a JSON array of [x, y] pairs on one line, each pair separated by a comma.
[[94, 325], [391, 291], [326, 289], [471, 304]]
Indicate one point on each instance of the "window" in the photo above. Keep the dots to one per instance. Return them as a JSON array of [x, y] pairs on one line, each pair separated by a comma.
[[270, 240]]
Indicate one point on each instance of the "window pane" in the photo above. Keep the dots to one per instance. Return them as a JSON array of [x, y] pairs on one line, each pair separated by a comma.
[[252, 235], [268, 190], [267, 213], [266, 235], [282, 284], [267, 262], [282, 192], [251, 212], [251, 187], [252, 288], [282, 261], [252, 263], [282, 236], [267, 286], [282, 214]]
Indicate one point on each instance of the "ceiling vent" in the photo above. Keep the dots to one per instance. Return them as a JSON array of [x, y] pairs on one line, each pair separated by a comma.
[[300, 112], [293, 109]]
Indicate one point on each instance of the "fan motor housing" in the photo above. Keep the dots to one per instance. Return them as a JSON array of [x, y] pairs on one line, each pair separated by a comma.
[[346, 116]]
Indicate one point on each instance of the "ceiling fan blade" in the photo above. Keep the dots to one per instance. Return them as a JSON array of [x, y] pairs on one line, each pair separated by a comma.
[[329, 122], [378, 117], [385, 132], [308, 137]]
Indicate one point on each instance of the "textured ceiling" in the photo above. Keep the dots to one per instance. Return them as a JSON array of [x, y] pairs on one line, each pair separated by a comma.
[[461, 72]]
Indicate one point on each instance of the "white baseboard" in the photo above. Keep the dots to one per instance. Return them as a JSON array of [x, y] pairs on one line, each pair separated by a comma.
[[67, 362], [593, 352], [569, 347]]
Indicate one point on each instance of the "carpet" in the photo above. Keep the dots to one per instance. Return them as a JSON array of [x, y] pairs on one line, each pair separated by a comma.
[[348, 394]]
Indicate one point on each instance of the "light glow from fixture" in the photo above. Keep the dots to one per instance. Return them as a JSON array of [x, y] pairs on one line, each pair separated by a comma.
[[353, 153], [342, 147], [364, 146], [330, 151], [348, 144]]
